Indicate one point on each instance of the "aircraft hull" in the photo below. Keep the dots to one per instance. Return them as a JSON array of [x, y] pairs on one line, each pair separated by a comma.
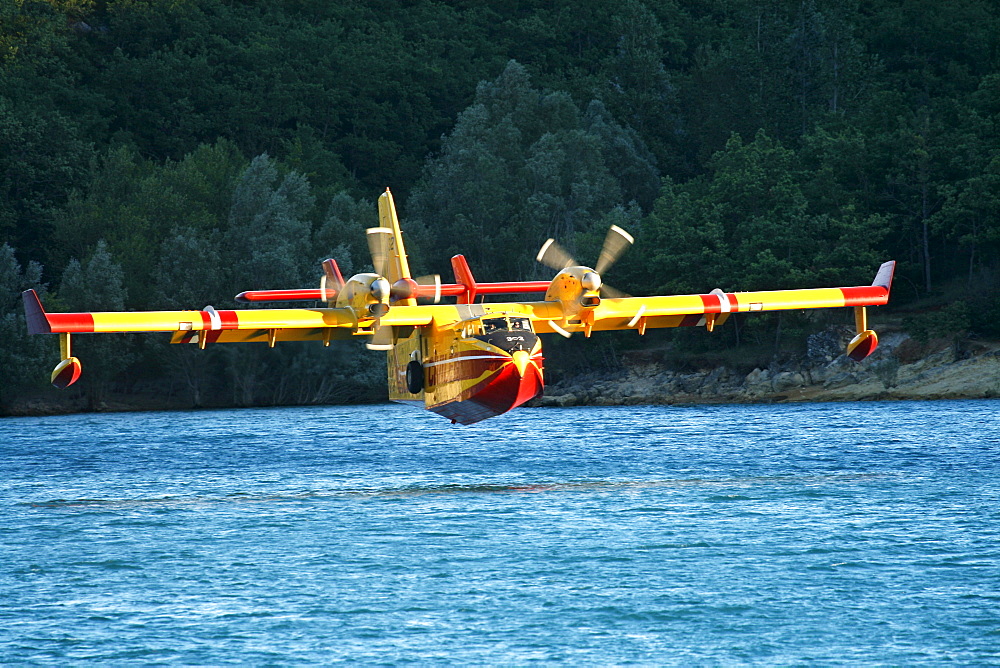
[[484, 386], [464, 378]]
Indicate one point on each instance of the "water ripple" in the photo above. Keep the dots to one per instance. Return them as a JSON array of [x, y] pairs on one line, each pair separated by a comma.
[[844, 533]]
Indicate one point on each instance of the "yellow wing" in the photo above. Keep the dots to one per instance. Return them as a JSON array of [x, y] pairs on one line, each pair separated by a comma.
[[609, 314], [201, 327], [582, 312], [562, 316]]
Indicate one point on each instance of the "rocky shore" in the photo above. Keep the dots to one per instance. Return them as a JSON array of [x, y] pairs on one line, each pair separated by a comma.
[[901, 368]]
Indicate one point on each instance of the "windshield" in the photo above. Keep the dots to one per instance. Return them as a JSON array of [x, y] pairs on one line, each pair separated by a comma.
[[509, 333], [494, 324], [512, 324]]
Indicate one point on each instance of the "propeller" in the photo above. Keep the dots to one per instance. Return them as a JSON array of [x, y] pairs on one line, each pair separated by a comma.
[[431, 280], [554, 256], [589, 280], [381, 339], [616, 242], [379, 242]]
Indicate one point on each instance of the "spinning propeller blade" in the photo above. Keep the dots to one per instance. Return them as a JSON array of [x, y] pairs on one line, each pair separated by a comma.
[[379, 242], [431, 280], [424, 287], [612, 293], [554, 256], [381, 339], [617, 242]]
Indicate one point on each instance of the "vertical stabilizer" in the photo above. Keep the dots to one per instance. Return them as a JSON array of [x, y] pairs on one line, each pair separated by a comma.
[[397, 265]]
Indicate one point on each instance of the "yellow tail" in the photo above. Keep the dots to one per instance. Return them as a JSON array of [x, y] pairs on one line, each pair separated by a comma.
[[397, 266]]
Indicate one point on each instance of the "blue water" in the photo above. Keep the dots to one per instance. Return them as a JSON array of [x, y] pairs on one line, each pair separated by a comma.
[[791, 534]]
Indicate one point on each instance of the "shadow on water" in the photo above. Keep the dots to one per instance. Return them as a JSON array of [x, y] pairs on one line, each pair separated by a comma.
[[457, 489]]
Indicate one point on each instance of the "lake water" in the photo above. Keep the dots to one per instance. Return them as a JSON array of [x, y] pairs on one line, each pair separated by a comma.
[[789, 534]]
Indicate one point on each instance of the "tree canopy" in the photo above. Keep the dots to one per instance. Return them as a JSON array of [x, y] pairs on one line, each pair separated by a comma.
[[198, 148]]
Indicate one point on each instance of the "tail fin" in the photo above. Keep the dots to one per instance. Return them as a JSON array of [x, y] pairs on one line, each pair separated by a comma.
[[463, 275], [396, 264]]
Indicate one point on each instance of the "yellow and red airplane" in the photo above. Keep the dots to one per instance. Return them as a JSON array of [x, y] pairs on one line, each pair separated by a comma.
[[467, 361]]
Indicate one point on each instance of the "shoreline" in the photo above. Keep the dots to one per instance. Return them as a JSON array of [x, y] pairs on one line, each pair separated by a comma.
[[901, 369]]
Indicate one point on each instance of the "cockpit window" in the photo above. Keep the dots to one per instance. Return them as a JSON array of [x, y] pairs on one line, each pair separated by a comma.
[[510, 333], [514, 324], [493, 324]]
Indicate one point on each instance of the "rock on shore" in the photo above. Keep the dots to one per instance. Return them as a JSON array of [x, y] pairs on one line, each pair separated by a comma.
[[901, 368]]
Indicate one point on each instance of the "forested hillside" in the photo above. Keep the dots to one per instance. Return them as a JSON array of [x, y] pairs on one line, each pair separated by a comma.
[[171, 154]]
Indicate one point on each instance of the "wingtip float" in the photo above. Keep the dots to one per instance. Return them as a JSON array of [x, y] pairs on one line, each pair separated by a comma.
[[469, 360]]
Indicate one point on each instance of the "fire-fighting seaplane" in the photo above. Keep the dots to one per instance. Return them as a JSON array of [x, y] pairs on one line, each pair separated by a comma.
[[467, 361]]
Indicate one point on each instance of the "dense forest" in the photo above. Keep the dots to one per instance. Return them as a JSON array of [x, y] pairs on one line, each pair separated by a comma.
[[172, 154]]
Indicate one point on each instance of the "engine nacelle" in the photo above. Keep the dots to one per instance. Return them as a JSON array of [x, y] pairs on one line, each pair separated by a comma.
[[576, 288], [367, 295]]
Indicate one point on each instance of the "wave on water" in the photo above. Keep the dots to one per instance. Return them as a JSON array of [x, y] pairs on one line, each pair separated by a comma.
[[781, 534], [416, 490]]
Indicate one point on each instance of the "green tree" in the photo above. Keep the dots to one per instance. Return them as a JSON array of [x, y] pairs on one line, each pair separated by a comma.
[[829, 69], [970, 215], [267, 244], [41, 160], [932, 49], [342, 236], [97, 285], [268, 240], [22, 357], [625, 155], [924, 152], [522, 165], [638, 87], [749, 226], [188, 276]]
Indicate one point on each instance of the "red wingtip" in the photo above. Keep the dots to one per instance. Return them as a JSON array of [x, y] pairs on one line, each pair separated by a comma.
[[38, 323]]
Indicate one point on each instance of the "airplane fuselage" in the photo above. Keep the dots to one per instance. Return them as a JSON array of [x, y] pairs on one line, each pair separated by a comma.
[[469, 370]]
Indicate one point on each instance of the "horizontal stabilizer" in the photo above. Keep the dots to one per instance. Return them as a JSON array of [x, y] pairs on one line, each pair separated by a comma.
[[309, 294]]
